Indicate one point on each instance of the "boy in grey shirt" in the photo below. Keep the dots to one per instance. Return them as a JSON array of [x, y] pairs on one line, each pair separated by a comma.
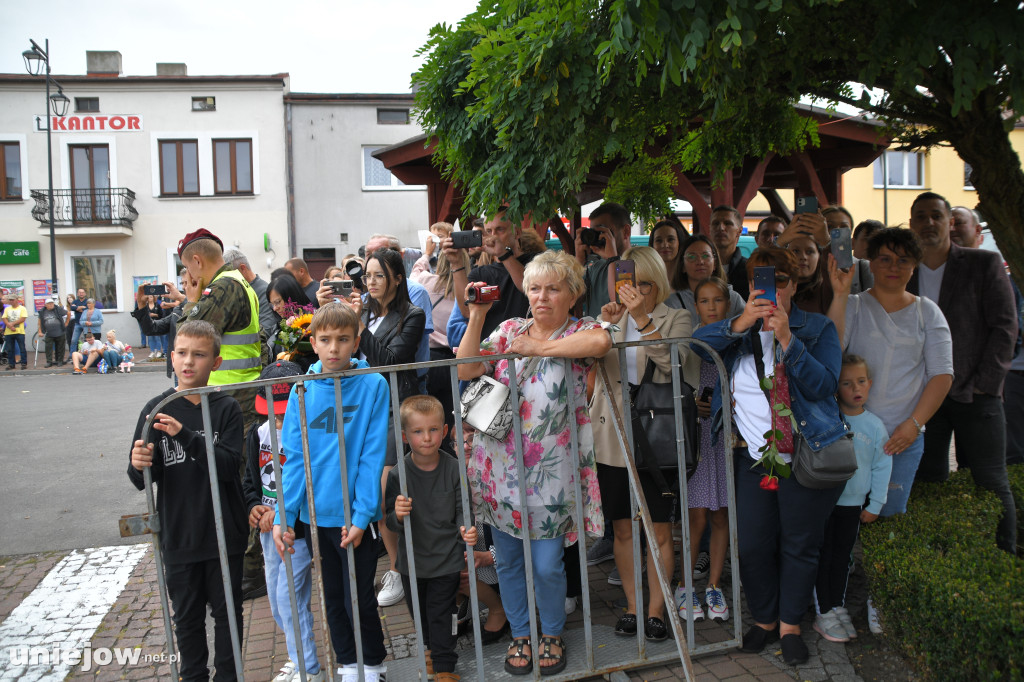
[[438, 554]]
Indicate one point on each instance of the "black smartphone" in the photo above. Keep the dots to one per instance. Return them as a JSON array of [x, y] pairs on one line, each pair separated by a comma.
[[342, 288], [806, 205], [842, 247], [764, 279], [467, 239], [154, 289], [706, 394], [625, 273]]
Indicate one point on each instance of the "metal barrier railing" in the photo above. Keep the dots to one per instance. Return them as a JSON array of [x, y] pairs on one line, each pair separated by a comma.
[[685, 645]]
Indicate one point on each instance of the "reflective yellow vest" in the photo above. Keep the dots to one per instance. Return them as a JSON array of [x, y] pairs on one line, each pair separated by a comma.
[[240, 350]]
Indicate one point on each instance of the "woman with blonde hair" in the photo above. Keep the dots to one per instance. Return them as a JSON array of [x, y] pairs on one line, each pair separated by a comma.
[[648, 319]]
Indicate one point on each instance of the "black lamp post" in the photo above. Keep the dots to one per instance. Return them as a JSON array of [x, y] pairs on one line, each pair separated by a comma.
[[34, 61]]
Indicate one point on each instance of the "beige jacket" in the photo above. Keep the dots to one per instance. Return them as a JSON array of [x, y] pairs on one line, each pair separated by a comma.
[[672, 323]]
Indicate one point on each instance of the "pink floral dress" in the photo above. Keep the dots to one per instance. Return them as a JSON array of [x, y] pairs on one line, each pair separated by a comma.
[[547, 449]]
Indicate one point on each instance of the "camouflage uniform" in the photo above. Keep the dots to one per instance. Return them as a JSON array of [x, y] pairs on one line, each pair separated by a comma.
[[225, 304]]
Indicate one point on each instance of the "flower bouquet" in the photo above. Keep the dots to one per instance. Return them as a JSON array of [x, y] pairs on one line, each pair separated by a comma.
[[294, 334]]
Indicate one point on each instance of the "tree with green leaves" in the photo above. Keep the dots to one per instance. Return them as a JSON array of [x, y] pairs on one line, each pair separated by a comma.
[[526, 97]]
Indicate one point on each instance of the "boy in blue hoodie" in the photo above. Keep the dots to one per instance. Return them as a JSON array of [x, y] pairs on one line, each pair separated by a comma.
[[335, 338]]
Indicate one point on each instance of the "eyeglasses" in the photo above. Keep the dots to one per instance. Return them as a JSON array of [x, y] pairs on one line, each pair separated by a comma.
[[376, 276], [782, 280], [694, 257], [902, 263], [645, 287]]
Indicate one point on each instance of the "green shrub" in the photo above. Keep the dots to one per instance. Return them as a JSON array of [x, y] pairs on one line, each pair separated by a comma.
[[948, 597], [1017, 486]]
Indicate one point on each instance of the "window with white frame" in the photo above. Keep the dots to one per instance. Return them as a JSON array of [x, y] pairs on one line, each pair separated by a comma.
[[98, 273], [375, 175], [903, 170]]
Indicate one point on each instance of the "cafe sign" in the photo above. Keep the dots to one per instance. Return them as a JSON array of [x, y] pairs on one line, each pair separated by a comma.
[[90, 123], [12, 253]]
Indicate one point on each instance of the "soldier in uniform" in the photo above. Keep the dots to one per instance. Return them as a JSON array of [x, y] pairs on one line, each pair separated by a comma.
[[218, 294]]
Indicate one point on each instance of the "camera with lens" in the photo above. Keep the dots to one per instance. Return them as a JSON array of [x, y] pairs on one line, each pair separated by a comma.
[[482, 293], [591, 237], [355, 273]]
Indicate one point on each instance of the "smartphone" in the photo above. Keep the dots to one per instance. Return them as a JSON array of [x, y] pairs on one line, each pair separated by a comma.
[[625, 273], [706, 394], [842, 247], [764, 279], [342, 288], [806, 205], [467, 239], [154, 289]]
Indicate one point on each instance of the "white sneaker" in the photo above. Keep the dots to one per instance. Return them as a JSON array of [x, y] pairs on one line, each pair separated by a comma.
[[288, 672], [847, 622], [310, 677], [828, 626], [686, 607], [392, 592], [874, 624], [717, 608], [570, 605]]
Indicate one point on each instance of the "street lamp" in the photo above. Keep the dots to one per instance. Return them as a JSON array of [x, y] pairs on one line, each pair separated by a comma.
[[35, 59]]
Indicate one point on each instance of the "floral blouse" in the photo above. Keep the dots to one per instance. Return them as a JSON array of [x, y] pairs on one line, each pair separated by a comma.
[[550, 469]]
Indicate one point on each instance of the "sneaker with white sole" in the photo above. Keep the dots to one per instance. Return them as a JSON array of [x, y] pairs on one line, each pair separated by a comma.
[[700, 570], [687, 607], [392, 592], [828, 626], [310, 677], [600, 552], [614, 578], [874, 624], [287, 673], [371, 673], [570, 605], [717, 608], [844, 617]]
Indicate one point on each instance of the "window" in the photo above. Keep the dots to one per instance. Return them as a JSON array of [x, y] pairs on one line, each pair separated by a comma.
[[97, 274], [179, 167], [10, 182], [967, 176], [375, 175], [393, 116], [905, 169], [232, 166], [204, 104], [87, 104]]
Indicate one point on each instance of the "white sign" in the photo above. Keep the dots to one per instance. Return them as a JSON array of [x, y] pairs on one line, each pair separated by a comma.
[[80, 123]]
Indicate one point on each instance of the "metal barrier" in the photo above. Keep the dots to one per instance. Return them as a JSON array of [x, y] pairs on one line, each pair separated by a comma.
[[606, 662]]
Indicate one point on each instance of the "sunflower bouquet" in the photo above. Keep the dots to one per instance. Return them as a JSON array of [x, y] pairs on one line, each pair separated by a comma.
[[294, 334]]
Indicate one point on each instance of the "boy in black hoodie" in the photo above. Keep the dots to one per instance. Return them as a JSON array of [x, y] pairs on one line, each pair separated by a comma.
[[185, 504]]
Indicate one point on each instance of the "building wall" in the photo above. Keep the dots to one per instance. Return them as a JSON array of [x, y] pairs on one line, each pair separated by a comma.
[[330, 197], [250, 109], [943, 173]]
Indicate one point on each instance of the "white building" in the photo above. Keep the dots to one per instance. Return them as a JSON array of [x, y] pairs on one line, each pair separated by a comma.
[[138, 162], [341, 193]]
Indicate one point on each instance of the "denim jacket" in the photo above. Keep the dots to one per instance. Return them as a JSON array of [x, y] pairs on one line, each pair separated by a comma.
[[812, 361]]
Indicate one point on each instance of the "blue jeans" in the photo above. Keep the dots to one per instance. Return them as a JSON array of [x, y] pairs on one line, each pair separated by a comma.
[[280, 601], [901, 480], [158, 343], [548, 581], [15, 346], [112, 357], [74, 339]]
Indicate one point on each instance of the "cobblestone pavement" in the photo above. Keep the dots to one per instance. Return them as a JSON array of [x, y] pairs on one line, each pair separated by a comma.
[[134, 621]]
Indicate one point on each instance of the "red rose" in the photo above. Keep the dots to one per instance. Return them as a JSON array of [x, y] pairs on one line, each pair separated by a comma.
[[769, 482], [517, 519]]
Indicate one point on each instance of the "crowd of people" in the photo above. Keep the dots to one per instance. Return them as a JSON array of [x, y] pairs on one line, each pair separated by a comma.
[[902, 352]]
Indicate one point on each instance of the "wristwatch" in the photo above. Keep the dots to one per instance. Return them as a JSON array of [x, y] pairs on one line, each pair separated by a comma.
[[505, 256]]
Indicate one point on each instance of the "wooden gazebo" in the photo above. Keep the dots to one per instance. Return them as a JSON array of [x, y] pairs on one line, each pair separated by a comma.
[[845, 142]]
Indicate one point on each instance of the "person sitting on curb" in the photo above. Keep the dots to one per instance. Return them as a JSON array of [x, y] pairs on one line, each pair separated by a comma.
[[91, 352]]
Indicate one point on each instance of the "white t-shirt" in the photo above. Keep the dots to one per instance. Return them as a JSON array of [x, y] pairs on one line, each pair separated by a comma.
[[372, 326], [88, 347], [751, 410], [930, 281]]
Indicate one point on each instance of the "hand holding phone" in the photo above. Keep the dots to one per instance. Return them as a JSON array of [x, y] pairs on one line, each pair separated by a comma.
[[842, 247], [340, 288], [154, 290], [625, 273], [764, 279]]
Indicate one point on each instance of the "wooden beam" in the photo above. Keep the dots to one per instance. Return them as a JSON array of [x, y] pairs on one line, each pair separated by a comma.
[[751, 184], [776, 205], [701, 208], [808, 181], [444, 210], [723, 194]]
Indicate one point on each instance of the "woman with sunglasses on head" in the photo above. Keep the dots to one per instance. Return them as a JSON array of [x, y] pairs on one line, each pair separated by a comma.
[[780, 522], [698, 260]]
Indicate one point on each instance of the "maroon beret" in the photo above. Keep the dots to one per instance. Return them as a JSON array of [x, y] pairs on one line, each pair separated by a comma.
[[201, 233]]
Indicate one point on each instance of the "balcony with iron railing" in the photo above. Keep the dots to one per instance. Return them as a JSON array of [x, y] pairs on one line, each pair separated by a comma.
[[107, 211]]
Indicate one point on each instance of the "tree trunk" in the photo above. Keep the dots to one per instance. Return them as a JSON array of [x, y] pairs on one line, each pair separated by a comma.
[[982, 141]]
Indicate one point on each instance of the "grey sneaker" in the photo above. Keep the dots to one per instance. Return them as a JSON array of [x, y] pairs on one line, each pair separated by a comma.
[[828, 626], [874, 624], [600, 552], [614, 578], [847, 622]]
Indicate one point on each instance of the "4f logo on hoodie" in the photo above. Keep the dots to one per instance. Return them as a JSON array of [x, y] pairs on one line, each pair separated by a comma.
[[327, 420]]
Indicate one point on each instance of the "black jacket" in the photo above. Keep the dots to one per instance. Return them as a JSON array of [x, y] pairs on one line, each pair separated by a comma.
[[165, 325], [395, 343], [181, 474]]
